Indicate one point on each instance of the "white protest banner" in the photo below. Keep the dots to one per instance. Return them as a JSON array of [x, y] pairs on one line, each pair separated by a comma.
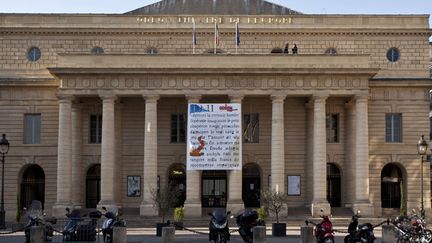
[[214, 137]]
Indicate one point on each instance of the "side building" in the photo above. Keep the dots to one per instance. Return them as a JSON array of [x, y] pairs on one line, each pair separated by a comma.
[[95, 107]]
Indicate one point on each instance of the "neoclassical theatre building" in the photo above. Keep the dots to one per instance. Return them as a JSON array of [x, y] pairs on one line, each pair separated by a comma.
[[95, 106]]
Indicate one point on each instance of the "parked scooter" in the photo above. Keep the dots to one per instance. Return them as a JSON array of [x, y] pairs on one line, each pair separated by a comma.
[[324, 231], [218, 227], [359, 233], [112, 219], [78, 228], [246, 221], [37, 218]]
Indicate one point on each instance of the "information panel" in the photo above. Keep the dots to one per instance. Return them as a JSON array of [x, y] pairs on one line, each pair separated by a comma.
[[214, 137]]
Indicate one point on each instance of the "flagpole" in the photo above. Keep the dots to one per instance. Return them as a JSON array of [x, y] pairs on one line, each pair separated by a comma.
[[215, 40], [236, 36], [193, 36]]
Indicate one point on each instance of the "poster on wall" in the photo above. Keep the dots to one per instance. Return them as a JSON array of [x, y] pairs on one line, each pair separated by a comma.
[[134, 186], [214, 137], [294, 185]]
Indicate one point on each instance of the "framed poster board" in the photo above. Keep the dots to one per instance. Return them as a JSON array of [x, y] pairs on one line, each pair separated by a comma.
[[134, 186], [294, 186]]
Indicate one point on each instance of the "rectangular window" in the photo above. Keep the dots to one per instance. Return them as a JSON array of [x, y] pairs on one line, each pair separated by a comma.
[[32, 128], [251, 128], [95, 128], [178, 128], [393, 129], [332, 128]]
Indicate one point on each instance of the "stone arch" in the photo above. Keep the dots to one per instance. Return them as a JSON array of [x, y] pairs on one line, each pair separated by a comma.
[[92, 185], [176, 174], [334, 184], [393, 185], [31, 185]]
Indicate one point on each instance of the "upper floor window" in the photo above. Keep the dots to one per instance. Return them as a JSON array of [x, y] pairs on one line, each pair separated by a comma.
[[97, 50], [32, 128], [331, 51], [95, 128], [178, 128], [332, 128], [152, 50], [393, 128], [393, 54], [251, 128], [34, 54]]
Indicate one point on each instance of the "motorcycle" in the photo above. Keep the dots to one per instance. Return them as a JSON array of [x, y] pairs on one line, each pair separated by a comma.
[[412, 229], [78, 229], [359, 233], [37, 218], [323, 231], [112, 219], [246, 221], [218, 227]]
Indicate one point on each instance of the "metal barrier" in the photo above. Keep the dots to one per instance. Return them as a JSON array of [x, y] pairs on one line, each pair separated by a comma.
[[84, 234]]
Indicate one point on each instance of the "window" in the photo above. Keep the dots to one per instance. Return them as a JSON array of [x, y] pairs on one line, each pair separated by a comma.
[[331, 51], [393, 54], [95, 128], [251, 128], [152, 51], [32, 128], [332, 128], [178, 128], [97, 50], [393, 128], [34, 54]]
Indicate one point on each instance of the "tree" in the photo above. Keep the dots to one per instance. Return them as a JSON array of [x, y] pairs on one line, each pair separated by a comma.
[[165, 198], [274, 201]]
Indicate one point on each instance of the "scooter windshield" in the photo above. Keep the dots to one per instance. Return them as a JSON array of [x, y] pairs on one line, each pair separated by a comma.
[[75, 214], [35, 209], [219, 216]]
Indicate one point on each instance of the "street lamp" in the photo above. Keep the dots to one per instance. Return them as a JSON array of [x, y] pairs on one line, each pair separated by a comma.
[[4, 148], [421, 149]]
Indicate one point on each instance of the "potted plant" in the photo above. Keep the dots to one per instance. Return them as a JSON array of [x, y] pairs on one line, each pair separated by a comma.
[[164, 199], [274, 202], [178, 218]]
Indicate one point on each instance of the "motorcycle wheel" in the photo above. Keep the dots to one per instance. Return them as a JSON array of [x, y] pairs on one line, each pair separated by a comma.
[[348, 239], [328, 240], [426, 236]]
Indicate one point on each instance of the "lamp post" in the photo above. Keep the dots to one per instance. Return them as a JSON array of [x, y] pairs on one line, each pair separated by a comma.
[[421, 149], [4, 148]]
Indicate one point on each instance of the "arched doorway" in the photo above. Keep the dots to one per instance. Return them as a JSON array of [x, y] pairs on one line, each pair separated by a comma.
[[251, 185], [214, 188], [32, 186], [333, 185], [177, 179], [93, 179], [391, 186]]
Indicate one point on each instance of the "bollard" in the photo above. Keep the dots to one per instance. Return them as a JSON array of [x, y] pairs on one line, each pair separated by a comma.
[[119, 235], [388, 234], [259, 234], [168, 234], [306, 233], [37, 234]]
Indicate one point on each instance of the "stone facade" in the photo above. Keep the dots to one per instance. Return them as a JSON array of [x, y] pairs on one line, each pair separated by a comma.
[[292, 94]]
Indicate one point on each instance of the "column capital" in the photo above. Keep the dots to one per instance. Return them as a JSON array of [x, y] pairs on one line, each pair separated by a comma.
[[108, 97], [151, 98], [361, 97], [193, 98], [319, 98], [65, 97], [236, 98], [278, 97]]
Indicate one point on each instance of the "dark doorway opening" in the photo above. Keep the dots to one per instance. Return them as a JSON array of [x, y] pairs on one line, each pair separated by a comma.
[[333, 185], [32, 186], [251, 186], [214, 188], [391, 186], [93, 180], [177, 179]]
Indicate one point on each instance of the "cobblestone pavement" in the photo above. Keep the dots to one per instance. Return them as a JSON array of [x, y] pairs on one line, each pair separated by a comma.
[[147, 235]]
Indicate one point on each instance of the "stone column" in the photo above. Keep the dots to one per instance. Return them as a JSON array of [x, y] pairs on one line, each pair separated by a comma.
[[108, 148], [278, 144], [319, 157], [192, 205], [150, 156], [235, 183], [77, 166], [64, 156], [361, 157]]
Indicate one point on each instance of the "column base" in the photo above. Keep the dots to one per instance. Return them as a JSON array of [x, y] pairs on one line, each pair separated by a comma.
[[235, 206], [59, 210], [147, 209], [317, 206], [192, 209], [366, 209]]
